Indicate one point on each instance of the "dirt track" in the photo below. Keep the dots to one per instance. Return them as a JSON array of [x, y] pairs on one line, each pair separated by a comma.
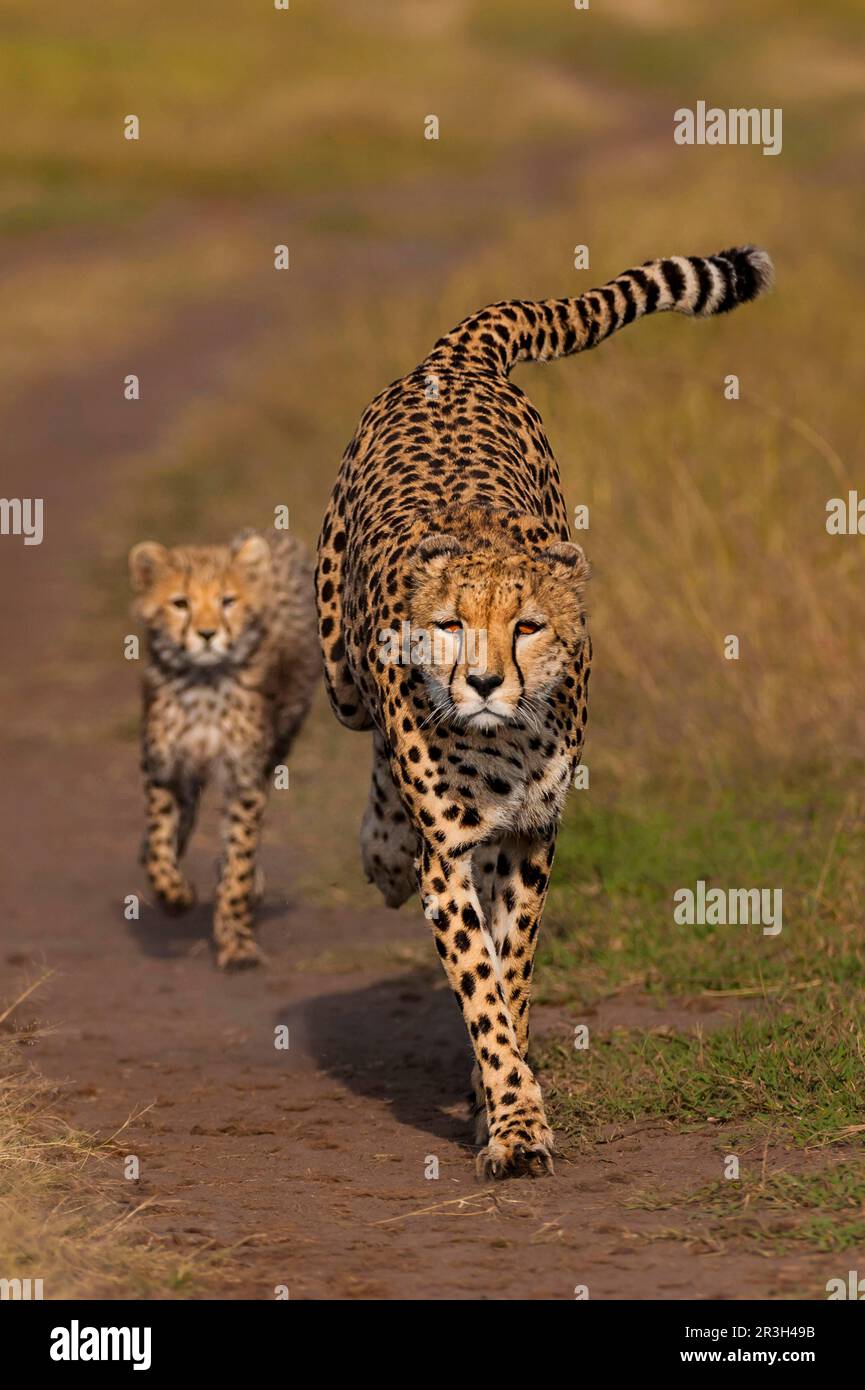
[[308, 1164], [311, 1161]]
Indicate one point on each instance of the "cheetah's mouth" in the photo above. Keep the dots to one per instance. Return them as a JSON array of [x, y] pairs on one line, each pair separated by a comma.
[[207, 656], [484, 719]]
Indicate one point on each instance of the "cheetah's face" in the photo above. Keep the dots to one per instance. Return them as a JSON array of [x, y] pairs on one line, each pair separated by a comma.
[[203, 606], [502, 631]]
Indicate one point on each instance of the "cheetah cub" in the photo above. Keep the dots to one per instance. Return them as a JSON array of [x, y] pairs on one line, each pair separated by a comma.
[[232, 662]]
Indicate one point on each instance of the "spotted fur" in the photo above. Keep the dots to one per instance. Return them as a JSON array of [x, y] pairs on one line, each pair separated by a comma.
[[232, 664], [447, 518]]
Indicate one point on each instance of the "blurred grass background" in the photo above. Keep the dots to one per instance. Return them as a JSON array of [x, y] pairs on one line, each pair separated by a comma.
[[556, 129], [707, 515]]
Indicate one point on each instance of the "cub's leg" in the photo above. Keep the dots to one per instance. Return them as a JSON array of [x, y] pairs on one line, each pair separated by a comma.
[[388, 843], [189, 796], [170, 815], [235, 893], [520, 1140]]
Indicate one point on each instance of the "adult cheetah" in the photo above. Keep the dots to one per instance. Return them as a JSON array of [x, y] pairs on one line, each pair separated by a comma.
[[447, 521]]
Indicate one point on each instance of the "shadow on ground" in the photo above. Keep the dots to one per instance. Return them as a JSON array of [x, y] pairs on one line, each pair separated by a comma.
[[396, 1040]]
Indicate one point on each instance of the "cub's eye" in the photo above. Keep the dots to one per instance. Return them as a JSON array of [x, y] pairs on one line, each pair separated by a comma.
[[450, 625], [525, 628], [228, 600], [180, 603]]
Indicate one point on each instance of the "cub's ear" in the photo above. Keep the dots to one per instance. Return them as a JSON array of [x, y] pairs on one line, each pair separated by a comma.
[[145, 561], [435, 551], [567, 557], [250, 552]]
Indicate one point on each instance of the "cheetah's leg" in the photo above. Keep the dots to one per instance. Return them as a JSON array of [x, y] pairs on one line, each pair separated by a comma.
[[515, 900], [520, 1139], [188, 795], [235, 893], [388, 843], [483, 873], [166, 814], [522, 875]]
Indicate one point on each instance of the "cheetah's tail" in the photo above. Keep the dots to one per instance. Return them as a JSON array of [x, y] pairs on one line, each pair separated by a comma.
[[519, 330]]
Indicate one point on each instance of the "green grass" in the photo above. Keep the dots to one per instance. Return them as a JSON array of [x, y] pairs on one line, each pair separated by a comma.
[[235, 105], [766, 56], [792, 1073], [610, 914], [238, 104], [773, 1213], [787, 1070]]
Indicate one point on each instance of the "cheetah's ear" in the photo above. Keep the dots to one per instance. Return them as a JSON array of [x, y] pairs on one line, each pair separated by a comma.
[[568, 556], [251, 553], [434, 552], [145, 561]]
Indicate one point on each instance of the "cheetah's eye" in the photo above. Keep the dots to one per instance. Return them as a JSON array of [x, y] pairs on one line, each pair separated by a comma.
[[180, 602], [450, 625], [228, 600], [525, 627]]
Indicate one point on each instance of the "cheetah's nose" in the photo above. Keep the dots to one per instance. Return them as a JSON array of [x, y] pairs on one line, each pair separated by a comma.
[[205, 633], [484, 684]]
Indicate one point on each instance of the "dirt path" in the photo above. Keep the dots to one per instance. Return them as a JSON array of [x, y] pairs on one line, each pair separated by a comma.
[[307, 1165]]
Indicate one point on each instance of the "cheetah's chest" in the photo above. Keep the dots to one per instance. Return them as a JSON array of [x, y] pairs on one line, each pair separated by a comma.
[[209, 728], [536, 789], [517, 788]]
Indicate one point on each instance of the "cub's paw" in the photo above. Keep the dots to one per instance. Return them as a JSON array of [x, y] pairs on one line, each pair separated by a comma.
[[238, 953], [176, 897], [516, 1155]]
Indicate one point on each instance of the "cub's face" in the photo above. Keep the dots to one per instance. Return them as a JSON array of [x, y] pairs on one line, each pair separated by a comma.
[[495, 634], [203, 607]]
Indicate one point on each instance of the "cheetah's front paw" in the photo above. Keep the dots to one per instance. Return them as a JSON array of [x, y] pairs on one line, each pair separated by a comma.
[[515, 1155]]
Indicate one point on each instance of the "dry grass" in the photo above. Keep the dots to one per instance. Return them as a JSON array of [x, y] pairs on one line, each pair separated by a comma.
[[65, 1217], [707, 515]]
